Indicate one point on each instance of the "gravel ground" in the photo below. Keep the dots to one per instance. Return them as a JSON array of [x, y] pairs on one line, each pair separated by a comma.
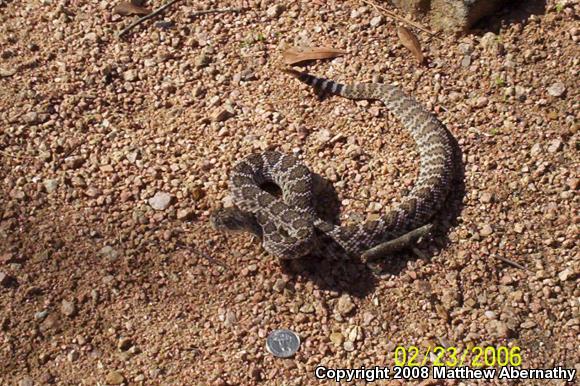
[[113, 153]]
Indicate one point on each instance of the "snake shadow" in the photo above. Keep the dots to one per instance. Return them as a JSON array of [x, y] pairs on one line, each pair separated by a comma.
[[338, 272], [359, 278]]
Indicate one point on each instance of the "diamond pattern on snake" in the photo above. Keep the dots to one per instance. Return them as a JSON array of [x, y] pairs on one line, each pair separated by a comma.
[[288, 225]]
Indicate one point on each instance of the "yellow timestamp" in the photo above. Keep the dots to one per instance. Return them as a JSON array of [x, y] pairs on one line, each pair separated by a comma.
[[477, 356]]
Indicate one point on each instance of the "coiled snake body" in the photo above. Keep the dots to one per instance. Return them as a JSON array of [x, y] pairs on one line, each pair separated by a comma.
[[289, 226]]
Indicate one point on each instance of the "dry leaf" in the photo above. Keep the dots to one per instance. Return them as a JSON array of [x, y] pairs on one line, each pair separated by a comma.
[[295, 55], [126, 8], [410, 41]]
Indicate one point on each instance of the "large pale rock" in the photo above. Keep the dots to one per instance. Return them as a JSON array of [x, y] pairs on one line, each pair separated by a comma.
[[413, 6], [460, 15], [451, 15]]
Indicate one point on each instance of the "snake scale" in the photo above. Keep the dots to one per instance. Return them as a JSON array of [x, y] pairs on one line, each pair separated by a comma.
[[289, 226]]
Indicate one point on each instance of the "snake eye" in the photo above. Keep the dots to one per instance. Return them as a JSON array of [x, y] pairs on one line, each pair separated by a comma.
[[223, 219], [303, 233]]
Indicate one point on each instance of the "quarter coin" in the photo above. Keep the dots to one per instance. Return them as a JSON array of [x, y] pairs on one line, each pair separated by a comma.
[[282, 343]]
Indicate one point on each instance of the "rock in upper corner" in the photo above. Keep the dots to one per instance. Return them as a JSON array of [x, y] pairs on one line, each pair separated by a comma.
[[413, 6], [451, 15], [460, 15]]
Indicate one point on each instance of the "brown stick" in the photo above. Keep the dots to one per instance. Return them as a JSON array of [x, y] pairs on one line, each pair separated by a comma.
[[401, 19], [147, 17], [17, 156], [391, 246], [511, 262], [211, 259], [68, 153], [167, 5], [223, 10]]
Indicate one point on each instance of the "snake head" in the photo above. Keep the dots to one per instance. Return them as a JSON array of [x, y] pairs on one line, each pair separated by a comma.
[[232, 219]]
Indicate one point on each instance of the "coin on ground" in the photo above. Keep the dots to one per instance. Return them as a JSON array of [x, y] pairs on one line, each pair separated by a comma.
[[282, 343]]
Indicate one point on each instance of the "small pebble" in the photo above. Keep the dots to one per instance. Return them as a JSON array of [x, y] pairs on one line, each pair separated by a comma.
[[26, 381], [498, 328], [40, 315], [185, 214], [114, 378], [368, 317], [222, 114], [109, 252], [279, 285], [376, 21], [160, 201], [68, 308], [275, 11], [73, 355], [348, 346], [486, 230], [557, 89], [555, 146], [466, 61], [202, 60], [230, 318], [337, 338], [488, 40], [345, 305], [536, 150], [130, 75], [486, 197], [50, 185], [6, 72], [490, 315], [565, 274], [481, 102]]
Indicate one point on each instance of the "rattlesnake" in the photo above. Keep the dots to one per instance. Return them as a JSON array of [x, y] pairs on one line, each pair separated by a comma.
[[289, 226]]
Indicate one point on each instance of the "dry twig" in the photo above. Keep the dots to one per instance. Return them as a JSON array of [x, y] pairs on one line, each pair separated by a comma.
[[511, 262], [17, 156], [147, 17], [68, 153], [401, 19], [391, 246], [223, 10], [212, 260], [167, 5]]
